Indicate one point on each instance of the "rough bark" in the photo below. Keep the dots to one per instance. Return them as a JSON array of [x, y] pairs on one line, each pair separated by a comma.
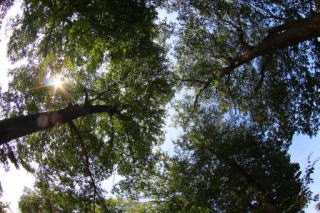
[[279, 37], [16, 127]]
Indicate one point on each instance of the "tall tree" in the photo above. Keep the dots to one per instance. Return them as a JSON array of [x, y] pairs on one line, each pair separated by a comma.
[[76, 59], [224, 166], [259, 58], [257, 61]]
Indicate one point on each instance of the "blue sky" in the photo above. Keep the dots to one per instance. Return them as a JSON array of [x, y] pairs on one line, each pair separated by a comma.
[[300, 149]]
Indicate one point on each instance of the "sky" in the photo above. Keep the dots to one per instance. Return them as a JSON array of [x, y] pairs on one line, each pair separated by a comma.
[[300, 149], [14, 181]]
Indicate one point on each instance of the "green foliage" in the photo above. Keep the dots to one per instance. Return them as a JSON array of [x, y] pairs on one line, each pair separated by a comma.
[[109, 55], [237, 123], [43, 200], [228, 167], [279, 90]]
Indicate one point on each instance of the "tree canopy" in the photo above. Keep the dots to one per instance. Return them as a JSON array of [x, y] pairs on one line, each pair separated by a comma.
[[225, 167], [251, 57], [87, 99], [108, 55]]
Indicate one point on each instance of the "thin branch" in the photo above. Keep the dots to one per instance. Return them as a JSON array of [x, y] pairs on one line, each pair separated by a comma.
[[270, 16], [96, 189], [204, 87], [230, 92], [262, 76], [250, 179], [232, 24], [189, 80], [99, 96]]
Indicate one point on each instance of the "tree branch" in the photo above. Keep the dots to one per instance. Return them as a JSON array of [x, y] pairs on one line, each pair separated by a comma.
[[101, 94], [16, 127], [281, 37], [96, 189]]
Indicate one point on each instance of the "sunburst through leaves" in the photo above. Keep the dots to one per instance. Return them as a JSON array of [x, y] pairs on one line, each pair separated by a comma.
[[56, 83]]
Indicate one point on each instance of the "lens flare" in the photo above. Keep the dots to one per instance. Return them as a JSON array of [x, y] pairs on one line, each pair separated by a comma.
[[57, 82]]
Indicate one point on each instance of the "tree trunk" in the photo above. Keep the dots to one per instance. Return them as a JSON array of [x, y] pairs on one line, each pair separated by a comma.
[[16, 127], [279, 37]]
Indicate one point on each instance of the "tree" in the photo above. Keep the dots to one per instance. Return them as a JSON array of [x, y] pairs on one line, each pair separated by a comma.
[[44, 199], [97, 71], [256, 62], [259, 59], [110, 50], [107, 55], [228, 167]]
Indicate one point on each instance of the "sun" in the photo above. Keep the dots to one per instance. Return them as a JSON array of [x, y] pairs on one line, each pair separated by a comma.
[[57, 82]]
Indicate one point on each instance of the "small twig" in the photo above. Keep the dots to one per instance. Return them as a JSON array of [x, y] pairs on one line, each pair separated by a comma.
[[190, 80], [262, 76], [232, 24], [86, 99], [221, 52], [230, 92], [102, 93], [271, 15], [205, 86]]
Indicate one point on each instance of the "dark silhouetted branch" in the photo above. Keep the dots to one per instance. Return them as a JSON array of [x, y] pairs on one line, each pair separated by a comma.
[[13, 128]]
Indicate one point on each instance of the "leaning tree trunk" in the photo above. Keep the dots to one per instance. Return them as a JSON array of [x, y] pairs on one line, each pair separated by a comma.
[[13, 128], [279, 37]]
